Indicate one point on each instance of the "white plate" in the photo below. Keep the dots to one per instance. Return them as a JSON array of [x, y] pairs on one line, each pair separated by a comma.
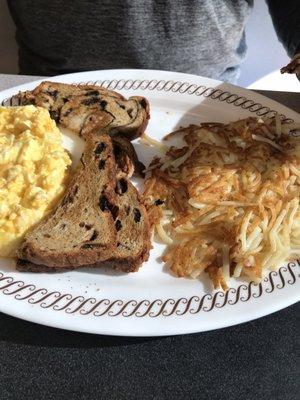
[[278, 82], [151, 302]]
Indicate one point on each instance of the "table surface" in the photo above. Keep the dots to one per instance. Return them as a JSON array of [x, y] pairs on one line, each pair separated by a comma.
[[259, 359]]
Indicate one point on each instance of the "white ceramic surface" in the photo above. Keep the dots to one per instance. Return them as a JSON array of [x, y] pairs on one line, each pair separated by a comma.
[[277, 82], [151, 302]]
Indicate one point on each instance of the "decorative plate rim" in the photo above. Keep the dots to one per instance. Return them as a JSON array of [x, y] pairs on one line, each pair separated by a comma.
[[182, 88], [55, 300], [79, 305]]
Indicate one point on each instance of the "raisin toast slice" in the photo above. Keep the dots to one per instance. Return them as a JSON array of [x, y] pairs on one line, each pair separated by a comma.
[[129, 225], [81, 229], [133, 237], [72, 105]]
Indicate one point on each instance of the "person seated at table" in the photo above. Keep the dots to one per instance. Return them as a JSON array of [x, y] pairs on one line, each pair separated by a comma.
[[204, 37]]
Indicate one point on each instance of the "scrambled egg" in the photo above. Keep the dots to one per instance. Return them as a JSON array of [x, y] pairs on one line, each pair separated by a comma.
[[33, 167]]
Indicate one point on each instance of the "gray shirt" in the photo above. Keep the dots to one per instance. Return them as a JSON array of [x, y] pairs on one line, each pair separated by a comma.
[[204, 37]]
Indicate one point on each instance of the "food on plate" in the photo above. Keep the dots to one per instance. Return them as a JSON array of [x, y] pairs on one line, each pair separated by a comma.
[[227, 203], [72, 105], [33, 167], [101, 220], [293, 67]]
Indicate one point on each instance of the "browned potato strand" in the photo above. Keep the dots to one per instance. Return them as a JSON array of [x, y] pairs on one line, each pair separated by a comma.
[[228, 202]]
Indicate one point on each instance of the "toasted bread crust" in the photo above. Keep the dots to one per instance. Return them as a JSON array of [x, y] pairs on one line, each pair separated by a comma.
[[129, 264]]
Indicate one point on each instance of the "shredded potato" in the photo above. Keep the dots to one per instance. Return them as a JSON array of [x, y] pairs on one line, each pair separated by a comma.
[[147, 140], [228, 202]]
